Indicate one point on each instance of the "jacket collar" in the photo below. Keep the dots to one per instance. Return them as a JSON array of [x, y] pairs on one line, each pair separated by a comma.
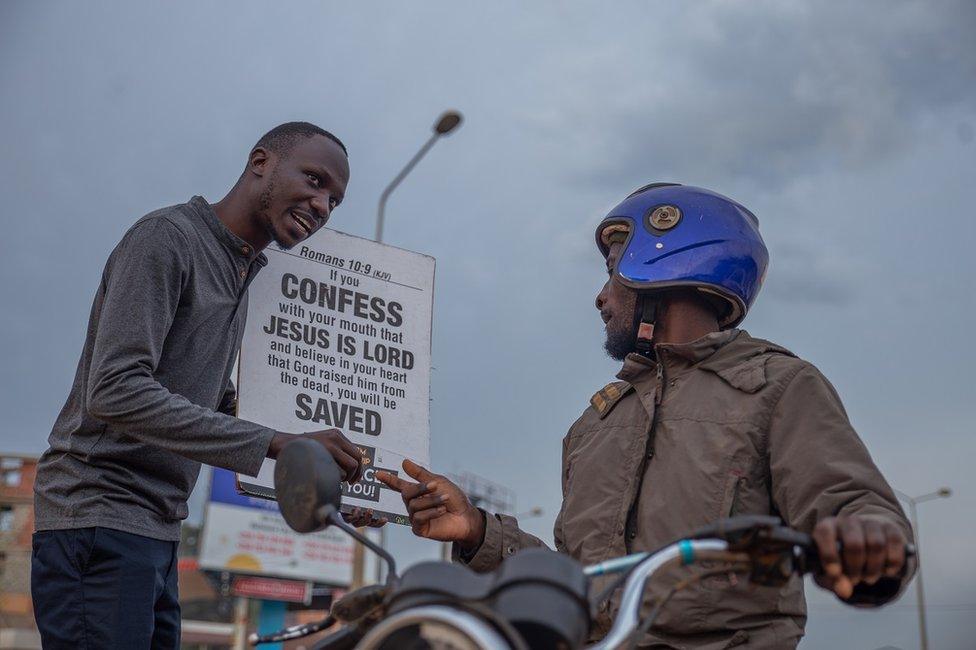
[[676, 356], [699, 350], [733, 355]]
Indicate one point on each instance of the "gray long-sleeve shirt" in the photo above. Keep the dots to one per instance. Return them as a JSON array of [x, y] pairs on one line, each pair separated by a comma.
[[152, 393]]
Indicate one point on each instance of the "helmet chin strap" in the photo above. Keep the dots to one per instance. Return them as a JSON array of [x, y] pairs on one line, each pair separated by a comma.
[[646, 314]]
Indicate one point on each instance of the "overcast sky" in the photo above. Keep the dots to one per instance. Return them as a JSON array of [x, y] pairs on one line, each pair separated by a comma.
[[848, 128]]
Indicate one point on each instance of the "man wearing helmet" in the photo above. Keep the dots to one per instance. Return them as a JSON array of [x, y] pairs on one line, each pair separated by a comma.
[[706, 422]]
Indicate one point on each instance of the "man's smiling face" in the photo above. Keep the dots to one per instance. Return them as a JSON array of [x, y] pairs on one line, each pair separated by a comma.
[[304, 186], [617, 304]]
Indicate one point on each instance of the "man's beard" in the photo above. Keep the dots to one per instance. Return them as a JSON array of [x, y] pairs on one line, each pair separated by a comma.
[[621, 341]]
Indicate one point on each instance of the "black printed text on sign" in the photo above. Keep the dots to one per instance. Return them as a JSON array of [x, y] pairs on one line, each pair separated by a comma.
[[338, 336]]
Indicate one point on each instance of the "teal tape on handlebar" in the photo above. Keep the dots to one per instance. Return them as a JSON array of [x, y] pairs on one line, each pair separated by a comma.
[[687, 552]]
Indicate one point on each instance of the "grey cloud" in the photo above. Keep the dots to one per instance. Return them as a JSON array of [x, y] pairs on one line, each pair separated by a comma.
[[801, 273], [768, 91], [799, 284]]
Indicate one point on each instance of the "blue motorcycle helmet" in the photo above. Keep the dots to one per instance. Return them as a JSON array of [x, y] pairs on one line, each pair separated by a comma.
[[678, 236]]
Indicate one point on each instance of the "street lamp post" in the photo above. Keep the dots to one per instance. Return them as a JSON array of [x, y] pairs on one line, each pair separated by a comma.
[[913, 502], [444, 125], [447, 122]]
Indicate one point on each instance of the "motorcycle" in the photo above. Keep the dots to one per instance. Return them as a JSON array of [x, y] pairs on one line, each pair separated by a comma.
[[537, 599]]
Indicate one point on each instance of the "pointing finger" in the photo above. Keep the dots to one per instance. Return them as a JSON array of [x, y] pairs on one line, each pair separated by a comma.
[[389, 480], [416, 471], [407, 489]]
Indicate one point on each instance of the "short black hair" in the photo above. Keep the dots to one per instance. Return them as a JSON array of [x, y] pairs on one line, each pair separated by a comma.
[[282, 138]]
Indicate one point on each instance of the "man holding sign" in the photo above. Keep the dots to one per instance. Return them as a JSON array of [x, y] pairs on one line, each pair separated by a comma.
[[152, 397]]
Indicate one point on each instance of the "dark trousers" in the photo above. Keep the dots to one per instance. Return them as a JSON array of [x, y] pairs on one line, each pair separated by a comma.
[[97, 588]]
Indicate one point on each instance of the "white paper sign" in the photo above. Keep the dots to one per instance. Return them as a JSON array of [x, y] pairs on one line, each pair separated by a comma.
[[338, 336]]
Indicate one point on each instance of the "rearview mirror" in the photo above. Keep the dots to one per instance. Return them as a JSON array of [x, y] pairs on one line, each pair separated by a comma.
[[307, 479]]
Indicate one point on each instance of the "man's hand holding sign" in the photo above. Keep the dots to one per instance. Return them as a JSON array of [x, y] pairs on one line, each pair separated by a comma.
[[345, 453], [347, 457]]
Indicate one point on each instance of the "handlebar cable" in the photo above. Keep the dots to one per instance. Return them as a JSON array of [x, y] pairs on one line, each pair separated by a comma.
[[648, 622], [631, 562], [736, 559], [606, 568], [608, 591], [627, 616], [720, 529]]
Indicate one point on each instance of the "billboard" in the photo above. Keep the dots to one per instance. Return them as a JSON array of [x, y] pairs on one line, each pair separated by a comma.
[[244, 534]]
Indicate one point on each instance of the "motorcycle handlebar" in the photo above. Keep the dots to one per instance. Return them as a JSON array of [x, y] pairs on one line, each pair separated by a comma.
[[771, 551], [627, 619]]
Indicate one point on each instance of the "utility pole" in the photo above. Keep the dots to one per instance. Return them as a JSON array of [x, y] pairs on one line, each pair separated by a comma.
[[241, 607], [358, 565], [913, 502]]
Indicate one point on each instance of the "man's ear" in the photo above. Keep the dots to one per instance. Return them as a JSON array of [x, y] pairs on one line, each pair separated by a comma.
[[260, 161]]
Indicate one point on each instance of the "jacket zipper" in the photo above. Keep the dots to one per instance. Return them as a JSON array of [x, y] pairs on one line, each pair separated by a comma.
[[659, 392], [630, 527]]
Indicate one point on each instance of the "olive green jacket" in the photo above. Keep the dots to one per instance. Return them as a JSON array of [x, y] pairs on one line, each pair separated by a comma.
[[725, 425]]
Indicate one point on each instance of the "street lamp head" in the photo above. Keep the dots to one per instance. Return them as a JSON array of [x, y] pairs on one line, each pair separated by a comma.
[[447, 122], [944, 492]]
